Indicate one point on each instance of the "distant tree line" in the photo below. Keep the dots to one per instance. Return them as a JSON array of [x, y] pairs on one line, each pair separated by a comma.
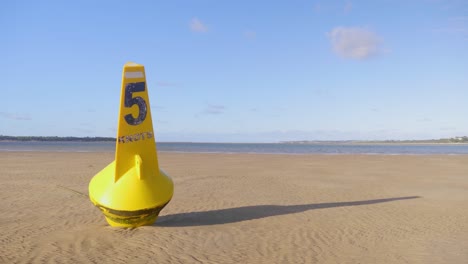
[[463, 139], [35, 138], [459, 139], [429, 141]]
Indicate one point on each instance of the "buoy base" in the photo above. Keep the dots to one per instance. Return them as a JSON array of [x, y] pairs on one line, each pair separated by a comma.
[[130, 219], [131, 223]]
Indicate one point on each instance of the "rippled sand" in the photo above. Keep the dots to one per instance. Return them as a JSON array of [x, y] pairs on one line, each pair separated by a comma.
[[242, 208]]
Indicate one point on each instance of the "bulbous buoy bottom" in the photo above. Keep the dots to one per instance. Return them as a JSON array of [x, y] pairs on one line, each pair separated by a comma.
[[120, 218]]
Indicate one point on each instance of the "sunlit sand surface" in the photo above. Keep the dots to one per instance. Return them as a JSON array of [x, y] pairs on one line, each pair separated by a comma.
[[243, 208]]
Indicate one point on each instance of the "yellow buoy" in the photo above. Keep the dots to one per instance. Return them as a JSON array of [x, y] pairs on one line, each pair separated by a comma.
[[132, 190]]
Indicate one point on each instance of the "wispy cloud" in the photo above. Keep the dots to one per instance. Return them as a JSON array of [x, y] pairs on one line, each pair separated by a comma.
[[214, 109], [196, 25], [355, 42], [15, 116], [250, 34]]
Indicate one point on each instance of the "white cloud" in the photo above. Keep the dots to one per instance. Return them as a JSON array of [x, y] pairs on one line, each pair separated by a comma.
[[355, 42], [197, 26]]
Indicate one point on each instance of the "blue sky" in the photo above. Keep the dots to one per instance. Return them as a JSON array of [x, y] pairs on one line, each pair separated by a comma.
[[239, 71]]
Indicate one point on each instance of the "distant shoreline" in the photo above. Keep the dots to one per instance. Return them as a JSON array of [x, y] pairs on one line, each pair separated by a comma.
[[260, 148], [53, 139], [425, 142], [450, 141], [337, 143]]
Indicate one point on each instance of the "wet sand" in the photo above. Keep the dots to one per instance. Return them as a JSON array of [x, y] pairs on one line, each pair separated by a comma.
[[243, 208]]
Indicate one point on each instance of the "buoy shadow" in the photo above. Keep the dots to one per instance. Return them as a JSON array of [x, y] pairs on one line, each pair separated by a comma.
[[238, 214]]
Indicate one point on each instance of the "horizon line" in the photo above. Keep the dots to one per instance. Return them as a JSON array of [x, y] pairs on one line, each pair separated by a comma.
[[457, 139]]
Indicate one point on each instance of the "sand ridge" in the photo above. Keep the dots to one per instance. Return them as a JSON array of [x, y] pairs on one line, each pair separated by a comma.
[[243, 208]]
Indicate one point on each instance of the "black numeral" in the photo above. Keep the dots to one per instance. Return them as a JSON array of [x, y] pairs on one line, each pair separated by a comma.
[[131, 88]]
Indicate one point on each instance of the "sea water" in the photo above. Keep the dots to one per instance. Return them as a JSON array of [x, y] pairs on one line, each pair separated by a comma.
[[261, 148]]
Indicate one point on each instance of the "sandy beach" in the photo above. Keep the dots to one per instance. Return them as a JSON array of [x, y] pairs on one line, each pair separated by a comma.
[[243, 208]]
